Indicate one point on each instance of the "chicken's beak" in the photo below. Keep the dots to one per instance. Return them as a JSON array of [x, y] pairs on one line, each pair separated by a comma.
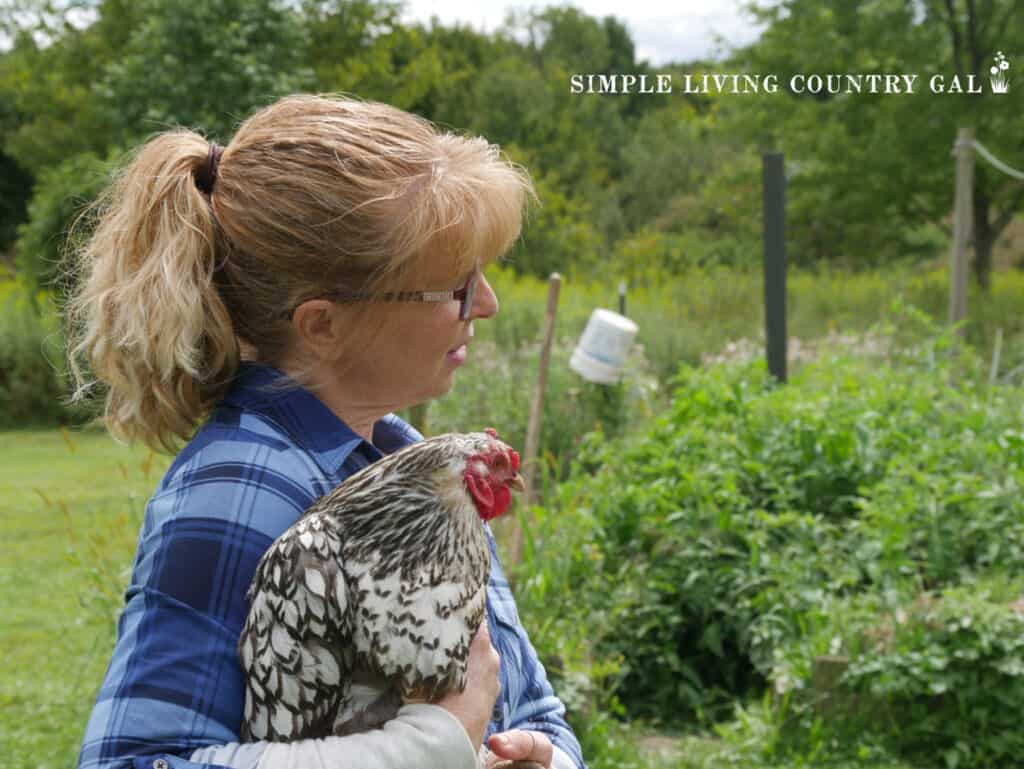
[[516, 482]]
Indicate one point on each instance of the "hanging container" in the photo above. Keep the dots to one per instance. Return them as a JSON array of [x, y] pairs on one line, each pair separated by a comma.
[[604, 346]]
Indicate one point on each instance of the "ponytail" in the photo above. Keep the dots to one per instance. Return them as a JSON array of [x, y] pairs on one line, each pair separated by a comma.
[[145, 317]]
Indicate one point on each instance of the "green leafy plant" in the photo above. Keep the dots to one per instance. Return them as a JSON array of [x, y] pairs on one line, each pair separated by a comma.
[[748, 510]]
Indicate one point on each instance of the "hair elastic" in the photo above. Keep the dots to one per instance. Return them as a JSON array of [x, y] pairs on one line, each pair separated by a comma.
[[206, 174]]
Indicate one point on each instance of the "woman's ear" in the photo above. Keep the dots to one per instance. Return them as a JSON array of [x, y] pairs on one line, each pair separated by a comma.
[[318, 324]]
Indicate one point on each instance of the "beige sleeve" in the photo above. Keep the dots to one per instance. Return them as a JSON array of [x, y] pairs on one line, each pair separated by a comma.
[[561, 760], [420, 737]]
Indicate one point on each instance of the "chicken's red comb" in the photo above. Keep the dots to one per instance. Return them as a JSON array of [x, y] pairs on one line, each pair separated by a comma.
[[513, 455]]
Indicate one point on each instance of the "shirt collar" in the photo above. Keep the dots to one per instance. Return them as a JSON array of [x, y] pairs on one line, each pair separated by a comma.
[[305, 419]]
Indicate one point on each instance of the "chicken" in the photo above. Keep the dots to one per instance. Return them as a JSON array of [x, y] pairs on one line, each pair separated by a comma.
[[376, 592]]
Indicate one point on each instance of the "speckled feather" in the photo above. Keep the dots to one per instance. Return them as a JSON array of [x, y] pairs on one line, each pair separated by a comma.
[[373, 595]]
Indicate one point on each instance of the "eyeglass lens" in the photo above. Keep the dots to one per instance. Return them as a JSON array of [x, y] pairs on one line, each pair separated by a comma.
[[467, 300]]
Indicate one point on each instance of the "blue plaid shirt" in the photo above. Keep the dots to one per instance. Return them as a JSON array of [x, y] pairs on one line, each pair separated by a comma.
[[174, 683]]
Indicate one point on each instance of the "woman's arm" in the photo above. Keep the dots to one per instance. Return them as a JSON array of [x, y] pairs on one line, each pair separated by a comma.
[[421, 737], [174, 683]]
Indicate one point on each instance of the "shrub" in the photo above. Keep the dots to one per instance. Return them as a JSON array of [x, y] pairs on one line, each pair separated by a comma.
[[954, 671], [61, 194], [707, 544], [33, 374], [936, 677]]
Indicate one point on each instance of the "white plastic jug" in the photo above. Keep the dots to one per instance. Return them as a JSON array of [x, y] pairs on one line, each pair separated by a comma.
[[604, 346]]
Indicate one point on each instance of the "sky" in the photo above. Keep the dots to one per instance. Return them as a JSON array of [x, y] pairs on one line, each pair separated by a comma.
[[662, 30]]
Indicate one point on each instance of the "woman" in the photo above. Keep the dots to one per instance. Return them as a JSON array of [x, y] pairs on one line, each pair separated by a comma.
[[286, 294]]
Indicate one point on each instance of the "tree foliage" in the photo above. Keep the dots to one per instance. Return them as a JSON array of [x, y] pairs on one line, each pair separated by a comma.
[[62, 193], [873, 174], [204, 65], [624, 177]]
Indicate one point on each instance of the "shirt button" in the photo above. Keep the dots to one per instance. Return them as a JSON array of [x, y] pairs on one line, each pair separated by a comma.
[[160, 764]]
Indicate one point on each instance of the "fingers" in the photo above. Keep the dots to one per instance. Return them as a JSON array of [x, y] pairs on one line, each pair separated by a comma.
[[504, 763], [482, 639], [484, 662], [522, 745]]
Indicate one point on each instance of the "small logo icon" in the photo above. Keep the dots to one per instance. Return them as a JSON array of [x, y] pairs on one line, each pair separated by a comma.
[[1000, 80]]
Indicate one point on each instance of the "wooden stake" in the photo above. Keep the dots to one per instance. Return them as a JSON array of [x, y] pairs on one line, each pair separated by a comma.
[[529, 460], [993, 373], [962, 204]]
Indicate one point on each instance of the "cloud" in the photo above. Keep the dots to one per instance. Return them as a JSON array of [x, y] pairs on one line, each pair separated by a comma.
[[662, 31]]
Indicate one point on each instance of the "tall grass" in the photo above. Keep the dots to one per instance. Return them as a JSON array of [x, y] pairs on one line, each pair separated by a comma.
[[32, 368], [682, 319]]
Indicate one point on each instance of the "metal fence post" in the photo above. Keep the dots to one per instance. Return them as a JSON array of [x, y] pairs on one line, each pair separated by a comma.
[[775, 262]]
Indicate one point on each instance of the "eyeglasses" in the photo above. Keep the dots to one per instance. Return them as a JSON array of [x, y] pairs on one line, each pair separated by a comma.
[[464, 295]]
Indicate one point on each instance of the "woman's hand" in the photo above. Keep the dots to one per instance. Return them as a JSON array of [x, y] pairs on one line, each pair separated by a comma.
[[519, 746], [474, 705]]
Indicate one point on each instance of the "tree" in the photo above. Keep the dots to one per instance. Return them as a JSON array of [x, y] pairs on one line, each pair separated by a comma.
[[575, 42], [50, 85], [91, 91], [203, 65], [975, 32], [665, 157], [60, 195], [341, 30], [875, 172], [48, 109]]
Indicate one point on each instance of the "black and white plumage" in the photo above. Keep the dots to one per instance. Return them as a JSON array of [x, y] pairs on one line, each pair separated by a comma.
[[376, 592]]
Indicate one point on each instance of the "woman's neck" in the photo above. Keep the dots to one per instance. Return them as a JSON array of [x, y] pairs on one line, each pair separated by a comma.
[[352, 406]]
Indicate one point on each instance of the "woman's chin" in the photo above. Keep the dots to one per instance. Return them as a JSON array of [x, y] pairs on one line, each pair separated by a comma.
[[442, 385]]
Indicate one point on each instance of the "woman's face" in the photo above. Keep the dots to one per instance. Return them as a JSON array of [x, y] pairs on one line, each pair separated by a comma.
[[416, 347]]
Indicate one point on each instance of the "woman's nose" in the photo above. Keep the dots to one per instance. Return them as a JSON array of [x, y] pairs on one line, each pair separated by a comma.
[[485, 301]]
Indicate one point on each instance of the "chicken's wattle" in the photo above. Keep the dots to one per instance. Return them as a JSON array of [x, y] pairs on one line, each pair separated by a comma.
[[492, 499], [490, 478]]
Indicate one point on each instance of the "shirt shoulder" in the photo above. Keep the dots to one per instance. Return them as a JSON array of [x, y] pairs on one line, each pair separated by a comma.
[[239, 482], [391, 433], [238, 436]]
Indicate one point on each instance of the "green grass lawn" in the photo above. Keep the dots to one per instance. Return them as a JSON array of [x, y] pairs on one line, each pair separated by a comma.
[[71, 508]]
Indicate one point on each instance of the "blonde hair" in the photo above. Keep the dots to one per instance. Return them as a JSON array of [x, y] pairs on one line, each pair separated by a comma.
[[312, 192]]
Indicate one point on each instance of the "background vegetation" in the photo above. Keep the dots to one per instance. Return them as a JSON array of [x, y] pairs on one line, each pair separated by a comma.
[[708, 545], [867, 512]]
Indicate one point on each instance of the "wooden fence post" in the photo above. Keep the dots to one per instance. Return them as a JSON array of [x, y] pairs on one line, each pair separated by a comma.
[[962, 205], [529, 459], [993, 372]]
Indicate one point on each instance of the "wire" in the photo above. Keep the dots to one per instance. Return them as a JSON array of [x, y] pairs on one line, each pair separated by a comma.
[[997, 162]]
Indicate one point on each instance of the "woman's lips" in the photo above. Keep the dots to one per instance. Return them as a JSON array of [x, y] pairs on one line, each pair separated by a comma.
[[458, 355]]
